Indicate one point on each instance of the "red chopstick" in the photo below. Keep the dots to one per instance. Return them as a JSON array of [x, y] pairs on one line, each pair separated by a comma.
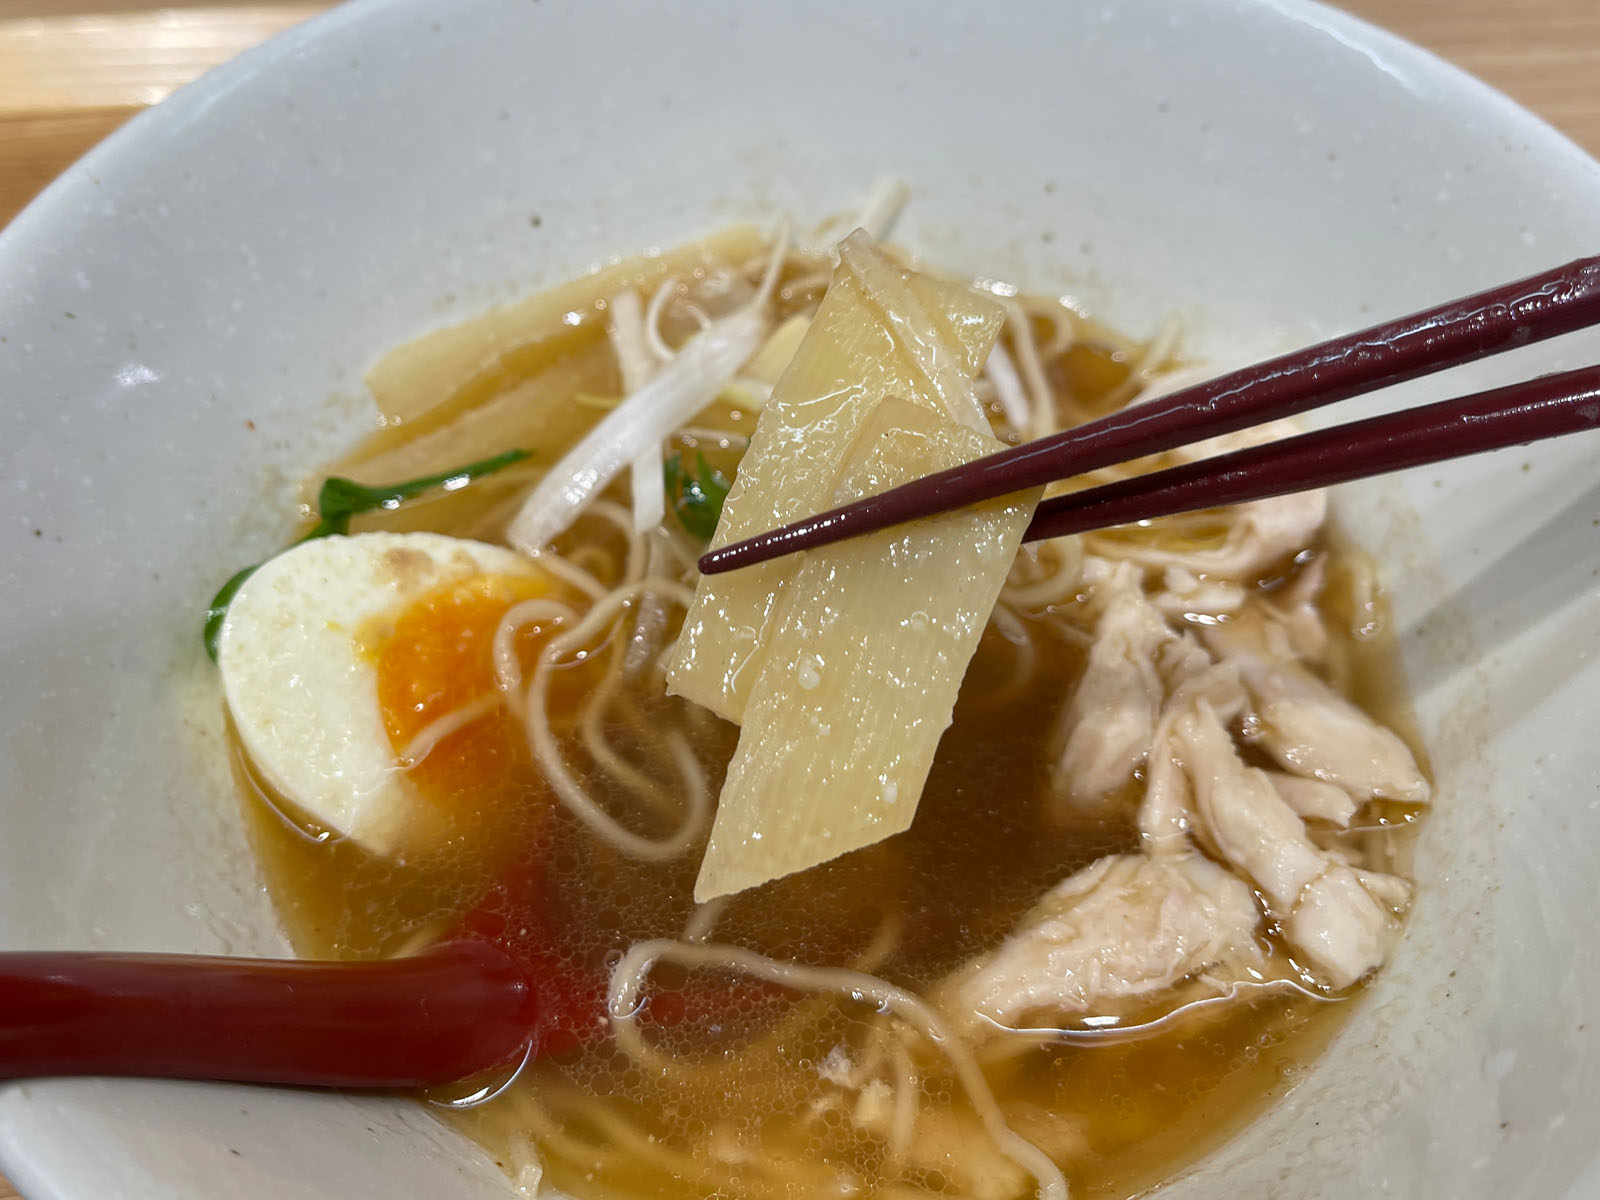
[[1547, 407], [1502, 318]]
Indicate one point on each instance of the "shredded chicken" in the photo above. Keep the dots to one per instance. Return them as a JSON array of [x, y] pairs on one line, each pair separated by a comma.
[[1343, 924], [1313, 731], [1295, 612], [1186, 666], [1185, 596], [1125, 927], [1105, 729], [1314, 800], [1261, 533], [1166, 814], [1346, 924], [1239, 809]]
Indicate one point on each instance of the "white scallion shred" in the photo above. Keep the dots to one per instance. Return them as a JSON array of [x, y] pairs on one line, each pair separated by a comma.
[[1002, 373], [882, 208], [702, 367], [638, 366], [647, 477]]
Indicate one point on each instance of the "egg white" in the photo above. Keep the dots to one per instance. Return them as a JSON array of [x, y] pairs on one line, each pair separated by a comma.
[[302, 694]]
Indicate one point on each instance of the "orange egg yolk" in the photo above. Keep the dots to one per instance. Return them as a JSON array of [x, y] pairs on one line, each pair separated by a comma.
[[437, 661]]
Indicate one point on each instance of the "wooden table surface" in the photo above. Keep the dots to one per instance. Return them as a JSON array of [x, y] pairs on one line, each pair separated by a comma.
[[71, 71]]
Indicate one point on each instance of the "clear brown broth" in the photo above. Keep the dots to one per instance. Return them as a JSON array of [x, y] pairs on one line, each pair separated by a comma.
[[738, 1116]]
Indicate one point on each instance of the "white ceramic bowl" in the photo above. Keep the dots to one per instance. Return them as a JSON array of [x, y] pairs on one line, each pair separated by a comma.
[[1272, 170]]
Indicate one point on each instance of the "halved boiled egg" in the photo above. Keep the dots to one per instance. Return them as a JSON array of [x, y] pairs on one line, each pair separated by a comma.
[[341, 653]]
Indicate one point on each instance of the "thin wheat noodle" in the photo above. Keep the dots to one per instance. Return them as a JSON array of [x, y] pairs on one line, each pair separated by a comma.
[[1009, 625], [703, 919], [1063, 325], [596, 706], [885, 938], [1059, 586], [784, 1031], [601, 614], [1031, 370], [610, 510], [780, 255], [1158, 352], [632, 972], [1063, 626], [620, 1144], [592, 559], [1148, 360], [601, 823], [652, 319], [571, 574], [507, 662], [634, 1143], [676, 542], [541, 738], [430, 735], [904, 1125], [593, 1156], [650, 622], [791, 257]]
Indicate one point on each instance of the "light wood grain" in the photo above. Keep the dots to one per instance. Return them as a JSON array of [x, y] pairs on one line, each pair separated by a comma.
[[35, 149], [125, 60], [56, 62], [1541, 53], [67, 79]]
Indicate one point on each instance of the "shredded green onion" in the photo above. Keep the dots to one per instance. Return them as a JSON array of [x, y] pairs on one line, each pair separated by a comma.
[[696, 498]]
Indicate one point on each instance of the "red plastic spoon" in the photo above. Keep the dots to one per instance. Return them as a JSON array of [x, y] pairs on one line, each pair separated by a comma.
[[496, 992], [456, 1011]]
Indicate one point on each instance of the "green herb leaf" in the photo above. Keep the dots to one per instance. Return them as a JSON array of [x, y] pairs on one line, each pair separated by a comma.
[[672, 471], [219, 608], [338, 500], [696, 498]]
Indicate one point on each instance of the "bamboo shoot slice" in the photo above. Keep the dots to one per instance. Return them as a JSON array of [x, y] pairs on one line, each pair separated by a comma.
[[934, 353], [414, 379], [770, 362], [860, 670], [852, 356]]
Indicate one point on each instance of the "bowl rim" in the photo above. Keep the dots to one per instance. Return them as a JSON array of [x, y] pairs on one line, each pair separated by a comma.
[[126, 148], [1388, 51]]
